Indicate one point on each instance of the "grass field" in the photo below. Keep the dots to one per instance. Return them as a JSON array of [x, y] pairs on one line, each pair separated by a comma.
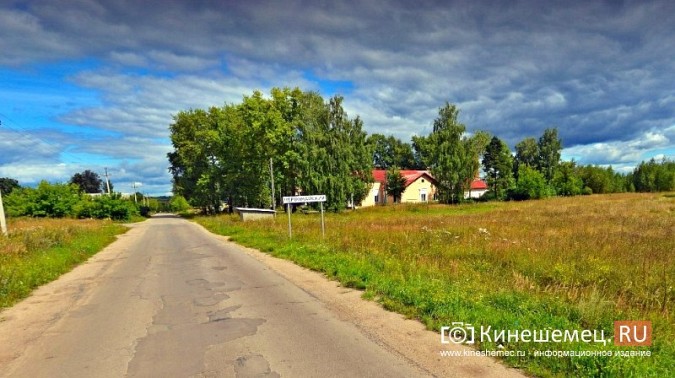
[[38, 251], [564, 263]]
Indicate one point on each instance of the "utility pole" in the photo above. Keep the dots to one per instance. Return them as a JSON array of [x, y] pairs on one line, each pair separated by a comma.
[[3, 222], [107, 182], [134, 186]]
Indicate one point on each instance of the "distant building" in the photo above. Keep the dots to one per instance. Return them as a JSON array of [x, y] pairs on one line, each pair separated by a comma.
[[478, 188], [420, 187]]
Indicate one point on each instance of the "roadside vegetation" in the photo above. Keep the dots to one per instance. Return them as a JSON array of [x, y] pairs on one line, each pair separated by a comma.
[[38, 250], [561, 263]]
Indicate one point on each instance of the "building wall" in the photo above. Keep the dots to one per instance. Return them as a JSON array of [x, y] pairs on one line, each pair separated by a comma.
[[413, 192], [475, 193], [370, 198]]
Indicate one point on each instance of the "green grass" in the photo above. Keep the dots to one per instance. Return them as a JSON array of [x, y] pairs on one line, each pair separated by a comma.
[[38, 251], [564, 263]]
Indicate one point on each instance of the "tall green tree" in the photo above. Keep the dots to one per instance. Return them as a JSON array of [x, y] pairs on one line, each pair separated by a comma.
[[550, 148], [390, 151], [195, 163], [338, 161], [448, 153], [498, 166], [566, 181], [527, 153], [224, 154]]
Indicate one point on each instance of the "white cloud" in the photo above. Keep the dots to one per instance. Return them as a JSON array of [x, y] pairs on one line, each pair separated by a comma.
[[621, 152]]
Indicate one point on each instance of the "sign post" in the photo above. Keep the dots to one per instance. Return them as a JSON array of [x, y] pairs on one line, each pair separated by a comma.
[[321, 198]]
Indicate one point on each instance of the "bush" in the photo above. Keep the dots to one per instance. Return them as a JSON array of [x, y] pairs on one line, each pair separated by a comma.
[[531, 185], [104, 207], [178, 204], [47, 200]]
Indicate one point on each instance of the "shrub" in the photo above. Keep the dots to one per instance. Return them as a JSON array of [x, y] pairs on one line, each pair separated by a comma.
[[106, 207], [531, 185], [47, 200], [178, 204]]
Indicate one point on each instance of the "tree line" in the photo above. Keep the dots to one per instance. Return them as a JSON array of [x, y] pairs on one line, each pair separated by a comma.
[[82, 197], [304, 143]]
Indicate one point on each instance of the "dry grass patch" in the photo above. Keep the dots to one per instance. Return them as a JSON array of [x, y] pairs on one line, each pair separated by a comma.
[[37, 251]]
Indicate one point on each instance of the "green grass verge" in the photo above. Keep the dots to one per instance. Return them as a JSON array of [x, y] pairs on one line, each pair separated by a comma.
[[37, 254]]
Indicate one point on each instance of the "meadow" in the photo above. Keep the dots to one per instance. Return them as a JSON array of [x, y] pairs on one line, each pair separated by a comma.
[[563, 263], [39, 250]]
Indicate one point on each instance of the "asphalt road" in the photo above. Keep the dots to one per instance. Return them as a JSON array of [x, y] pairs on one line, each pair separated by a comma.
[[170, 300]]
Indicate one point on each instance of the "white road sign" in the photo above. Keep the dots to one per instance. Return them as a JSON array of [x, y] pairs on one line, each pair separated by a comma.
[[305, 199]]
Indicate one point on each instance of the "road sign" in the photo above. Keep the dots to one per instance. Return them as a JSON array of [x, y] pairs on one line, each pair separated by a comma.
[[320, 198], [305, 199]]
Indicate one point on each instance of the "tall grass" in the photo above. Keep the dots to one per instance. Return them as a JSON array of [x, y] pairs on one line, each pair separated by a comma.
[[563, 263], [38, 251]]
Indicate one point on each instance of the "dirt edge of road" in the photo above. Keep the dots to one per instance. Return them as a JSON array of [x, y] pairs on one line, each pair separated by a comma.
[[405, 337]]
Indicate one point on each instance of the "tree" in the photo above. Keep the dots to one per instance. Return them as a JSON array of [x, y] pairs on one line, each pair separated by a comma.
[[7, 185], [531, 184], [194, 162], [527, 153], [395, 183], [448, 153], [88, 182], [652, 176], [337, 162], [566, 181], [389, 152], [498, 165], [178, 203], [224, 153], [550, 147]]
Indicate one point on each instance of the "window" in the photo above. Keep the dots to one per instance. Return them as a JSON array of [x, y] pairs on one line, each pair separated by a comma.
[[377, 198], [423, 197]]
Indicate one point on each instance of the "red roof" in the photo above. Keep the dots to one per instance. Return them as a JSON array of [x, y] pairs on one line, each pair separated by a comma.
[[380, 175], [478, 184]]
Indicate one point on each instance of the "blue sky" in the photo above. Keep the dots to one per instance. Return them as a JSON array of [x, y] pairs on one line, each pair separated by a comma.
[[89, 84]]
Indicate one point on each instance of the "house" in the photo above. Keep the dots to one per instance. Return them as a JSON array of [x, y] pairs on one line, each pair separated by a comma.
[[478, 188], [419, 187]]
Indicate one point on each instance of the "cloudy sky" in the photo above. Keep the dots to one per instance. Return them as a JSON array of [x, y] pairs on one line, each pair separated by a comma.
[[89, 84]]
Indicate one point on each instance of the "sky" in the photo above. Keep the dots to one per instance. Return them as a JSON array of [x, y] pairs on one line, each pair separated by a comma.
[[93, 84]]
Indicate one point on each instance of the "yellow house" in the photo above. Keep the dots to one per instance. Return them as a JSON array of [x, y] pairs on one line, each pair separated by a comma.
[[419, 188]]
